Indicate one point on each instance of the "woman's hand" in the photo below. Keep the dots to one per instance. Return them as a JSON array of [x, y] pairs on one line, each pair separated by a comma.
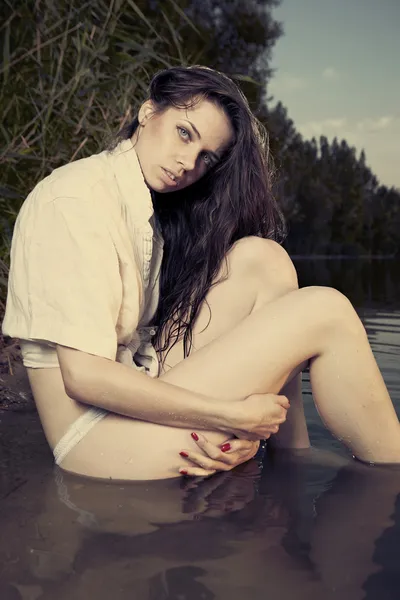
[[251, 420], [257, 416], [214, 458]]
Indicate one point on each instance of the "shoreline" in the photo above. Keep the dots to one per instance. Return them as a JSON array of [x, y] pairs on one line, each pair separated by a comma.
[[15, 391]]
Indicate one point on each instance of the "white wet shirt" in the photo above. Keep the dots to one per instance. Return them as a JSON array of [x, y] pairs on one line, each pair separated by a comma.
[[85, 264]]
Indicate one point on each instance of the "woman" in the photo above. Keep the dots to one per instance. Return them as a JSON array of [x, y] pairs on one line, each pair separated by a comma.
[[85, 298]]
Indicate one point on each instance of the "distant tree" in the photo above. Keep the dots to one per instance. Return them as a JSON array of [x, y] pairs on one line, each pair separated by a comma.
[[330, 197], [385, 208], [234, 36], [74, 72]]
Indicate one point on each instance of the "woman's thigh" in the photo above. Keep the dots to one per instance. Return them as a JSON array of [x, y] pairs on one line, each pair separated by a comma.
[[217, 367], [121, 448], [256, 272]]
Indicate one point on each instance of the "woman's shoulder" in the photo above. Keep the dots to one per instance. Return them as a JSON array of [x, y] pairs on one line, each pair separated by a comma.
[[76, 179], [71, 187]]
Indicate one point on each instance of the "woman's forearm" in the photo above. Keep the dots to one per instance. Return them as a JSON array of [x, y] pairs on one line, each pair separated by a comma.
[[118, 388]]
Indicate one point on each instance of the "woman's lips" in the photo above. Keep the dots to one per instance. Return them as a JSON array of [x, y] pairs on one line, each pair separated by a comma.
[[168, 178]]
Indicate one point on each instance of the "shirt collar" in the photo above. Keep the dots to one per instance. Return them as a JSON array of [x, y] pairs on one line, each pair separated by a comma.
[[135, 193]]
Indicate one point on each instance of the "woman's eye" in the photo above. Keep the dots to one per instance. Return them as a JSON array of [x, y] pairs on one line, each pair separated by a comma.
[[207, 159], [184, 133]]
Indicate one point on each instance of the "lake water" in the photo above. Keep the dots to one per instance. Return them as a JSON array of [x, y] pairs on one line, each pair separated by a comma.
[[313, 526]]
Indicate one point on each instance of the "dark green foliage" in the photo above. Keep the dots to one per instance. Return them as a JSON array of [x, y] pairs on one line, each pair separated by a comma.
[[73, 73], [332, 200]]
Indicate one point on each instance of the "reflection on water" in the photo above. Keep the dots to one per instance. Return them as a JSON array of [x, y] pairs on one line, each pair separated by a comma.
[[316, 525], [303, 527]]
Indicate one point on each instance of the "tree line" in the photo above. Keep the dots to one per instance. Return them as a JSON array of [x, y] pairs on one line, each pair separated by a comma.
[[333, 202], [74, 72]]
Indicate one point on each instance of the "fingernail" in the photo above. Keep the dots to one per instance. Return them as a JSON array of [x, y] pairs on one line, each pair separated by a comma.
[[225, 447], [195, 437], [183, 472], [184, 454]]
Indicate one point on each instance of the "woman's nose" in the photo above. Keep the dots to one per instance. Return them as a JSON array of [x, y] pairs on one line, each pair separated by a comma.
[[188, 160]]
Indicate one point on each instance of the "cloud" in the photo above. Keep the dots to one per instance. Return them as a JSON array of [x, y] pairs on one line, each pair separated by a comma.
[[330, 73], [378, 136], [286, 82], [342, 126], [330, 127], [376, 124]]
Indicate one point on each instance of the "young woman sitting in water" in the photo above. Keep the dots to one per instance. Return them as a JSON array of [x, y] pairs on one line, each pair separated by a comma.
[[152, 302]]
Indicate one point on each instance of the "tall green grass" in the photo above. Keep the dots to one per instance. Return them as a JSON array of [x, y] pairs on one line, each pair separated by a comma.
[[72, 74]]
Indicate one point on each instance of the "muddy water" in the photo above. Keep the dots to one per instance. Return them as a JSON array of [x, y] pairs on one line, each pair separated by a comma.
[[315, 525]]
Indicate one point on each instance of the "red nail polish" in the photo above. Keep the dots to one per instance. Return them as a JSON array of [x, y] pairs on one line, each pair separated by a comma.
[[183, 472], [184, 454], [225, 447], [195, 437]]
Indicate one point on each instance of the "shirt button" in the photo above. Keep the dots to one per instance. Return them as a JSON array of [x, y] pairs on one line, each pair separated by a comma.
[[152, 332]]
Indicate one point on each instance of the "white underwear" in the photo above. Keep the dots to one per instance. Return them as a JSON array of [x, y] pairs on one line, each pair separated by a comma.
[[139, 354], [76, 432]]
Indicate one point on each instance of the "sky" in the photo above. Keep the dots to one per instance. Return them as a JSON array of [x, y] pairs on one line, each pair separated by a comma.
[[338, 74]]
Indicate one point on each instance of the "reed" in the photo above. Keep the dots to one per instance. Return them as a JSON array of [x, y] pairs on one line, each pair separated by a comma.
[[72, 74]]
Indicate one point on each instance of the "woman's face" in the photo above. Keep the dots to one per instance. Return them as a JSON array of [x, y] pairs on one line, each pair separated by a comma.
[[177, 147]]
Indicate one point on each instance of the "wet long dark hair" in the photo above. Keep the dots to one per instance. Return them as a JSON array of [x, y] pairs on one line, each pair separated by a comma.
[[200, 223]]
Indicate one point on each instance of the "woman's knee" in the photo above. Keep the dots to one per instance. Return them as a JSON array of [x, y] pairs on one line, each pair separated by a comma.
[[333, 307], [265, 261]]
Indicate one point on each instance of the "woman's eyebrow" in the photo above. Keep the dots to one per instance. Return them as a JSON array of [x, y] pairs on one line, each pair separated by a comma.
[[194, 128], [213, 154]]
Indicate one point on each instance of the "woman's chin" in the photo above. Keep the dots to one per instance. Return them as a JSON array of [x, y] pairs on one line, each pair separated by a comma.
[[159, 186], [164, 189]]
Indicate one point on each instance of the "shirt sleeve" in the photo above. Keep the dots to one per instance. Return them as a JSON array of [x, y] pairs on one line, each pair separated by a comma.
[[74, 288]]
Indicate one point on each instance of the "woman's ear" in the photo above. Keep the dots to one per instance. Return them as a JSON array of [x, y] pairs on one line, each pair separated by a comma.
[[146, 111]]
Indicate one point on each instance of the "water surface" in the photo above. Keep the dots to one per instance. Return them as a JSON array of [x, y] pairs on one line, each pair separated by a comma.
[[317, 525]]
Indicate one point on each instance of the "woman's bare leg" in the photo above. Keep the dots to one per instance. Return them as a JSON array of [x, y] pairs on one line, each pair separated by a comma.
[[258, 353], [312, 323], [293, 432], [257, 272]]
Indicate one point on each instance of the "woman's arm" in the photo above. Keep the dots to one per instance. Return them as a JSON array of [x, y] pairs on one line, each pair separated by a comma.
[[97, 381]]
